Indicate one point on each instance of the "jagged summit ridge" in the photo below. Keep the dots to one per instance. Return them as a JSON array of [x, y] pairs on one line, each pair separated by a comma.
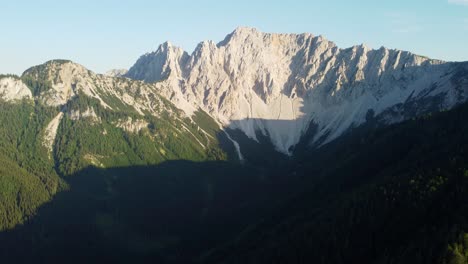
[[251, 79]]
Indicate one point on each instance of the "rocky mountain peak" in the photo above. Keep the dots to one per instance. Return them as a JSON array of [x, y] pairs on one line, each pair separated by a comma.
[[245, 32], [55, 69], [159, 65], [65, 78], [238, 33]]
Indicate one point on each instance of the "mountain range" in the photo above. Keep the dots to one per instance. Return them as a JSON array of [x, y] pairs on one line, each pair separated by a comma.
[[251, 80], [258, 82], [262, 148]]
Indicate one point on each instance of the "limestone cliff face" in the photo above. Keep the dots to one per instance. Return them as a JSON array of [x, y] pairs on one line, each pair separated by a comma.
[[13, 89], [279, 83]]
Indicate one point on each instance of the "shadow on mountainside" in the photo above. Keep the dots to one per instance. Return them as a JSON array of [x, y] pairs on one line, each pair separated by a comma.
[[167, 213]]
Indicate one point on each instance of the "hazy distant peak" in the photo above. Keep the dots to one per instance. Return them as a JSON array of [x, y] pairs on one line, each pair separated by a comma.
[[116, 72]]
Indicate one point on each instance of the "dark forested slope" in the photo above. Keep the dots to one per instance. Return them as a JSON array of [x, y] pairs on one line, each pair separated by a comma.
[[392, 195]]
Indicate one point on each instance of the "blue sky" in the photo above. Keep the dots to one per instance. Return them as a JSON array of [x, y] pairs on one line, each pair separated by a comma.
[[105, 34]]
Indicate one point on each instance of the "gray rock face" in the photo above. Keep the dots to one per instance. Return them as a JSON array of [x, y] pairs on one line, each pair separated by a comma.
[[159, 65], [279, 83]]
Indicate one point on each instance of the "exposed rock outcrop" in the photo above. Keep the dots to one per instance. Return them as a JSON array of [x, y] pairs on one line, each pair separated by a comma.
[[51, 133], [132, 126], [12, 89]]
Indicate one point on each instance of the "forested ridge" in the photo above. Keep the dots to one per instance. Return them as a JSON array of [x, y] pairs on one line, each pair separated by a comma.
[[27, 176]]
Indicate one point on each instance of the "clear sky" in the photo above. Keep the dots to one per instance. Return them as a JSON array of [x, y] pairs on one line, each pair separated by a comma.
[[107, 34]]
